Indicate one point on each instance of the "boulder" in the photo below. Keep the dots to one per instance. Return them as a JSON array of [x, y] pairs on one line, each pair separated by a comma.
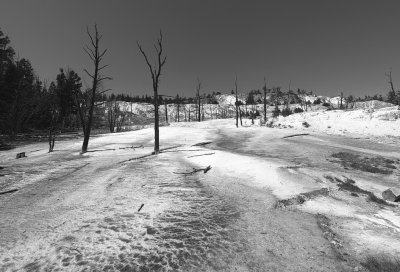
[[388, 195]]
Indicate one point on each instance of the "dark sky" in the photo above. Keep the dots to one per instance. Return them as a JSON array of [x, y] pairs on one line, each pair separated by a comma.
[[319, 45]]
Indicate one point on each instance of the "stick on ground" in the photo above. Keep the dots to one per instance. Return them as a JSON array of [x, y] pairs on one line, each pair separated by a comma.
[[295, 135], [141, 206], [205, 154], [8, 192], [133, 147], [195, 170], [202, 144]]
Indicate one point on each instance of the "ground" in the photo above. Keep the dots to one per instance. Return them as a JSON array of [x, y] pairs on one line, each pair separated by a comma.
[[269, 202]]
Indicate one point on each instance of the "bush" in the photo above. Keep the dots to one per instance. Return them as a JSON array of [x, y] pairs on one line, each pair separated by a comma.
[[286, 112], [326, 104], [276, 112], [297, 110], [305, 124]]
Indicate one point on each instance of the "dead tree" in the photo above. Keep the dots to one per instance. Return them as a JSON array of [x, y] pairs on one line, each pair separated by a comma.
[[265, 100], [198, 87], [112, 114], [178, 105], [165, 105], [88, 99], [166, 112], [52, 128], [341, 100], [288, 99], [155, 72], [393, 96], [236, 104]]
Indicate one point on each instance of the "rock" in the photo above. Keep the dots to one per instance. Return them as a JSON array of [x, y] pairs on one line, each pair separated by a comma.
[[388, 195], [21, 155], [397, 199]]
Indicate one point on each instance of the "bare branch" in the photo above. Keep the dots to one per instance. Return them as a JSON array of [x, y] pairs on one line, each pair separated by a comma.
[[104, 66], [89, 74], [91, 37], [89, 52], [104, 78], [145, 57], [102, 54]]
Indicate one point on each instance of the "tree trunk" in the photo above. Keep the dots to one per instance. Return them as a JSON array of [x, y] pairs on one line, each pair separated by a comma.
[[156, 122], [166, 112], [265, 106]]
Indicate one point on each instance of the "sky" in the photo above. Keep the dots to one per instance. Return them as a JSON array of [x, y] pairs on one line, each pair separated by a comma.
[[324, 46]]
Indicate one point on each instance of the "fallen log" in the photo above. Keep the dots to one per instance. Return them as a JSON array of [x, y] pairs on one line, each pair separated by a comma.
[[206, 154], [295, 135], [8, 192], [195, 170]]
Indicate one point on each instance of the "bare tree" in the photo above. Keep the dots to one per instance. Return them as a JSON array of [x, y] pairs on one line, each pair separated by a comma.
[[178, 105], [155, 72], [115, 116], [198, 87], [341, 100], [236, 103], [86, 102], [164, 97], [265, 100]]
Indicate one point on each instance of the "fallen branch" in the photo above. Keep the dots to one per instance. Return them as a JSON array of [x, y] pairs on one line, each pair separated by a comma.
[[206, 154], [8, 192], [141, 206], [208, 168], [133, 147], [202, 144], [295, 135]]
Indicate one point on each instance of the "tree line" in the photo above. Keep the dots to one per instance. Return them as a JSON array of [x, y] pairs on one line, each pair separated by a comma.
[[29, 103]]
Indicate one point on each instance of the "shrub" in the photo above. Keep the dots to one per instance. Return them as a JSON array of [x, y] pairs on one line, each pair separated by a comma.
[[286, 112], [276, 112], [305, 124], [297, 110]]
